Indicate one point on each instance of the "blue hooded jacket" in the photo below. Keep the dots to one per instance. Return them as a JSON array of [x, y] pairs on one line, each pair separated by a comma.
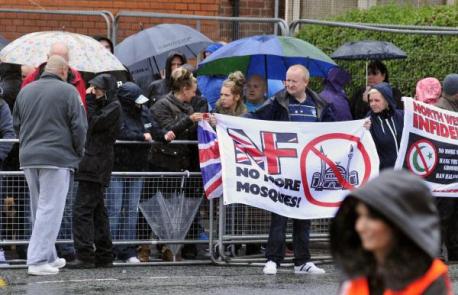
[[386, 128]]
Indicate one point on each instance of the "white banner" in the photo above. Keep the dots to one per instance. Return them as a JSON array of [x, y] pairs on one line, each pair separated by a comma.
[[429, 146], [298, 170]]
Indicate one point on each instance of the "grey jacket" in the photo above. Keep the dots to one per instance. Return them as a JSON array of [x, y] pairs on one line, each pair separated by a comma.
[[51, 123], [6, 130]]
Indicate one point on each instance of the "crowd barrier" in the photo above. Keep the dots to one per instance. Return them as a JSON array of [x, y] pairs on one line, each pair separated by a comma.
[[220, 233]]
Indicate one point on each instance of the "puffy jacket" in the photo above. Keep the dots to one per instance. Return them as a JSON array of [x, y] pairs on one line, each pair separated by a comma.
[[159, 88], [104, 116], [276, 108], [171, 114], [403, 202], [386, 128], [74, 78], [135, 121]]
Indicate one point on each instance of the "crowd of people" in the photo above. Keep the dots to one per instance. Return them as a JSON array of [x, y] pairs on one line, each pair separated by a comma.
[[65, 129]]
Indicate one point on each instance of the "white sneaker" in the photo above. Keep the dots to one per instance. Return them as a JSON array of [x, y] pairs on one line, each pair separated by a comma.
[[3, 262], [59, 263], [309, 268], [42, 270], [133, 259], [270, 268]]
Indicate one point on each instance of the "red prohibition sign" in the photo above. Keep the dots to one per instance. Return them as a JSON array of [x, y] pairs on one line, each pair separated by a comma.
[[310, 147], [416, 147]]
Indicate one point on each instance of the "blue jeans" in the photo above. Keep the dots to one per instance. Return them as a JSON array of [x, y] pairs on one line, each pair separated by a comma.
[[123, 196]]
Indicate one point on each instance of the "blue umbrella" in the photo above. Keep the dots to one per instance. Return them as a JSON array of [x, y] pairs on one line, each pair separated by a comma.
[[268, 56]]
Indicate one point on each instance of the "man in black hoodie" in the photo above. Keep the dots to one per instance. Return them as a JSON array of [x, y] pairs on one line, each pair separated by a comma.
[[159, 88], [90, 218]]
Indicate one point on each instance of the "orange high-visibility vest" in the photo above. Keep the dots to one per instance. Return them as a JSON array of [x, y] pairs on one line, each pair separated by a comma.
[[437, 269]]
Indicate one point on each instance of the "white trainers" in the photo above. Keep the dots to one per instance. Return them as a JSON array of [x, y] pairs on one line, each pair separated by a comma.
[[309, 268], [59, 263], [42, 270], [133, 259], [270, 268], [3, 262]]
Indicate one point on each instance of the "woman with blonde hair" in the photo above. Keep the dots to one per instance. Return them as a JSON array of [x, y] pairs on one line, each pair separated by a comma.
[[231, 96]]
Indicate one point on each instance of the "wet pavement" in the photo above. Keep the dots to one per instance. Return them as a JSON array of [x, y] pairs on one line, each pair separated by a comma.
[[191, 279]]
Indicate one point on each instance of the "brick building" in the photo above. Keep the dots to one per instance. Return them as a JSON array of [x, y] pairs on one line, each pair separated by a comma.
[[14, 25]]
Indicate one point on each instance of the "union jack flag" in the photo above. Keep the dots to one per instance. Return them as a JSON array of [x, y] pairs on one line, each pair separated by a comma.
[[210, 162], [244, 148]]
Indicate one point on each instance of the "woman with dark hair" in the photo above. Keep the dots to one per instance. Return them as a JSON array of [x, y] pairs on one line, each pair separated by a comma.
[[376, 73], [385, 238]]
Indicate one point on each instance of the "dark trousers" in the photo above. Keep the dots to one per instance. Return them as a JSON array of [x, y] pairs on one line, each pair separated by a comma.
[[91, 225], [276, 244], [448, 213]]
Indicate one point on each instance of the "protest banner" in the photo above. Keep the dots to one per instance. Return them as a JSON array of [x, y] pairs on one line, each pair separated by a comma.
[[298, 170], [429, 146]]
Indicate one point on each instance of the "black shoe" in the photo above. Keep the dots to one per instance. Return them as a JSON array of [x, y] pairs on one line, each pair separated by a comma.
[[80, 264], [69, 257], [103, 264]]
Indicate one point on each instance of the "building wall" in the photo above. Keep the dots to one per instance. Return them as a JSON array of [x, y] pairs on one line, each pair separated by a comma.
[[13, 25]]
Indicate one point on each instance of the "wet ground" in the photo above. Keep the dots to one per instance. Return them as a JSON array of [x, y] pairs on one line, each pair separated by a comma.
[[191, 279]]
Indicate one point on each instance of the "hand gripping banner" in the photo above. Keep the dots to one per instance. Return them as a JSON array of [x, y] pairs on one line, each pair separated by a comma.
[[429, 146], [298, 170]]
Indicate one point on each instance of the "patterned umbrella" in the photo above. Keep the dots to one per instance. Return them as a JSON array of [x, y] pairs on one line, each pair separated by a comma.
[[86, 54]]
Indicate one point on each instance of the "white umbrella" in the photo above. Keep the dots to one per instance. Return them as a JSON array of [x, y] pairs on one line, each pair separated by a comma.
[[86, 53]]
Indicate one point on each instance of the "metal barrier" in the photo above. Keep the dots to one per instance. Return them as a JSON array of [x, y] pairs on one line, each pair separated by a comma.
[[106, 15], [199, 21], [386, 28], [227, 226]]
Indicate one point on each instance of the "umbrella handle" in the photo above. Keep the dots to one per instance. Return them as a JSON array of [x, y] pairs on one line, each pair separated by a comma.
[[367, 65]]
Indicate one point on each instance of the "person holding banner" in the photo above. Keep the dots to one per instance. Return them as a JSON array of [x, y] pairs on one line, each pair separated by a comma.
[[448, 207], [387, 123], [296, 103], [385, 238]]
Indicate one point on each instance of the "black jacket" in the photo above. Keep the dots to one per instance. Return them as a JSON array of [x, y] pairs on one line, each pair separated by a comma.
[[10, 83], [159, 88], [276, 108], [172, 114], [135, 121], [103, 126]]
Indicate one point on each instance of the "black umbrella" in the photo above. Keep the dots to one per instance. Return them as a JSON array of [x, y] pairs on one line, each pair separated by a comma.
[[146, 52], [368, 50]]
